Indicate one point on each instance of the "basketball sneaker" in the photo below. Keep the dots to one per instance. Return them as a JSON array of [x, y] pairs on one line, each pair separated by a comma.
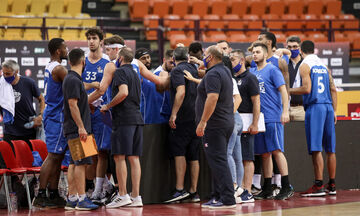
[[208, 203], [177, 195], [276, 189], [314, 191], [331, 189], [264, 195], [247, 197], [255, 190], [285, 193]]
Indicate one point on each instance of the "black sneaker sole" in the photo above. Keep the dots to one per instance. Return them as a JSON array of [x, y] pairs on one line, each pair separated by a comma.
[[178, 199], [285, 197]]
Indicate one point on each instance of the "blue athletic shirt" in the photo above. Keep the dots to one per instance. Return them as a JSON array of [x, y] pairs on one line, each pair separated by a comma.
[[273, 60], [94, 73], [152, 101], [320, 84], [54, 97], [270, 79]]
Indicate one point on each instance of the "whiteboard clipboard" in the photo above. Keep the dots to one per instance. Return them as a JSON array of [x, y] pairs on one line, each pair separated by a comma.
[[247, 119]]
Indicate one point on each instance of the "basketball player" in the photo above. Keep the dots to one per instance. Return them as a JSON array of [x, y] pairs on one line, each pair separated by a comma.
[[320, 101], [271, 142]]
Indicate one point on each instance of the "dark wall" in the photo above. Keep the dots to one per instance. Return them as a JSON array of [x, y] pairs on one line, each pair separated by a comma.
[[158, 175]]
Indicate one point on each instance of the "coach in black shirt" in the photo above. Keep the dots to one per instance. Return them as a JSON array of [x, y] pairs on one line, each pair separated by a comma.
[[127, 135], [297, 112], [248, 86], [215, 117], [77, 123], [184, 144]]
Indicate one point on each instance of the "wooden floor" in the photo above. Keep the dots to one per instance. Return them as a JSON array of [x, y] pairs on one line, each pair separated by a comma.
[[345, 203]]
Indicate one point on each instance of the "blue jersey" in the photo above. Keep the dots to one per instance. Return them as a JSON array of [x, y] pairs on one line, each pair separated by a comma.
[[270, 79], [273, 60], [152, 101], [320, 84], [94, 73], [54, 97]]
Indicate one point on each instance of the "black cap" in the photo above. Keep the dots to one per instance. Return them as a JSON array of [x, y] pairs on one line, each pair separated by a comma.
[[140, 52]]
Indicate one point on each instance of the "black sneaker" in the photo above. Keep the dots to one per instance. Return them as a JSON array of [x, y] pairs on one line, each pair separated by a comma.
[[111, 197], [177, 195], [58, 201], [108, 195], [331, 189], [43, 202], [255, 190], [285, 193], [264, 195], [276, 189], [193, 198]]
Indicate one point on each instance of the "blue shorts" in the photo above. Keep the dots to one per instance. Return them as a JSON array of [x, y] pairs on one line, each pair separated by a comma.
[[320, 128], [54, 136], [270, 140], [127, 140], [101, 131]]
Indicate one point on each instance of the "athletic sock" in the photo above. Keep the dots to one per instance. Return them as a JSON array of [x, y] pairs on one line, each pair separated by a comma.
[[73, 198], [98, 184], [331, 181], [107, 185], [285, 181], [267, 184], [277, 180], [319, 183], [257, 180], [82, 197]]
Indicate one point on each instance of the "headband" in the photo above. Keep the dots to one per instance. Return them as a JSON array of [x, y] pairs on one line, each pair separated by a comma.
[[114, 46]]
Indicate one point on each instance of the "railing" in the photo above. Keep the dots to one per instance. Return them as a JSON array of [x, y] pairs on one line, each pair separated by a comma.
[[161, 29]]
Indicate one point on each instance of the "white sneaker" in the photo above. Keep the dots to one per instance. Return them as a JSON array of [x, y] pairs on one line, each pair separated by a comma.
[[119, 201], [238, 200], [136, 202], [238, 191]]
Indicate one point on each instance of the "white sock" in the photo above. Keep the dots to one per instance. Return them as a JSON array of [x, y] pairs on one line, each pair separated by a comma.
[[273, 180], [73, 197], [98, 185], [82, 197], [257, 180], [277, 179], [107, 185]]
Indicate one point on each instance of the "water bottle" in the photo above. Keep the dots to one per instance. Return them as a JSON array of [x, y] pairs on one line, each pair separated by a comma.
[[36, 187], [13, 201], [30, 124], [62, 187]]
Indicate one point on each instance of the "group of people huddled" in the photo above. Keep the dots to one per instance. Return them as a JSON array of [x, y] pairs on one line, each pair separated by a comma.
[[203, 95]]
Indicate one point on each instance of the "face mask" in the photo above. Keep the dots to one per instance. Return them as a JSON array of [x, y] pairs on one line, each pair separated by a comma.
[[205, 62], [10, 79], [237, 68], [118, 63], [294, 53]]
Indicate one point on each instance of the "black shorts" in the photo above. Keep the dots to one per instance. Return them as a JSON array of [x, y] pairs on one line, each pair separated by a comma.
[[84, 161], [183, 141], [247, 146], [127, 140]]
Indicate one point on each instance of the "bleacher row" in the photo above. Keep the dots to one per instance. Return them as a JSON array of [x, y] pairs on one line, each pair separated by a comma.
[[58, 13]]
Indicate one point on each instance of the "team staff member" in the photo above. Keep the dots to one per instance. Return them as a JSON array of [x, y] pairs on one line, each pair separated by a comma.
[[214, 114], [127, 135], [271, 142], [77, 124], [297, 112], [184, 144], [320, 101], [53, 126], [249, 90]]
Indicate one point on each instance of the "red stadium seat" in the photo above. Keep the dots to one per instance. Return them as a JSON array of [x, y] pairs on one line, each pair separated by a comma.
[[340, 37], [219, 7], [356, 45], [214, 37], [174, 21], [333, 7], [276, 7], [257, 7], [180, 7], [273, 21], [292, 24], [139, 9], [160, 7], [200, 7], [315, 7], [151, 21], [40, 146], [280, 37], [175, 39], [239, 7], [317, 37], [239, 37], [24, 156], [311, 23], [213, 22], [253, 23], [328, 17], [232, 21], [295, 7], [190, 22]]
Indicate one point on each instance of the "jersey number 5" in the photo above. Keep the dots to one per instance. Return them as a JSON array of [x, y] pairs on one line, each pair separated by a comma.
[[321, 86]]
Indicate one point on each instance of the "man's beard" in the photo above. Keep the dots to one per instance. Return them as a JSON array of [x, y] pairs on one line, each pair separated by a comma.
[[148, 66]]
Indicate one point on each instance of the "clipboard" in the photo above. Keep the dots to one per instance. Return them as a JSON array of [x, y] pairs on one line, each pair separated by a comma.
[[80, 149], [247, 119]]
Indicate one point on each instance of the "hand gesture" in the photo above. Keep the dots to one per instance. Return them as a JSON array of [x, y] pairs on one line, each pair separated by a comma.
[[200, 130]]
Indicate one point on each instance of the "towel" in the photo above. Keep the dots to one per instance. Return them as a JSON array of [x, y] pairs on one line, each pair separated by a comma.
[[7, 101]]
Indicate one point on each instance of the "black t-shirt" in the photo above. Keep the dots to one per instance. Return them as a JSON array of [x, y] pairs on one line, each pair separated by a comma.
[[24, 92], [217, 80], [73, 88], [128, 111], [295, 99], [186, 112], [248, 86]]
